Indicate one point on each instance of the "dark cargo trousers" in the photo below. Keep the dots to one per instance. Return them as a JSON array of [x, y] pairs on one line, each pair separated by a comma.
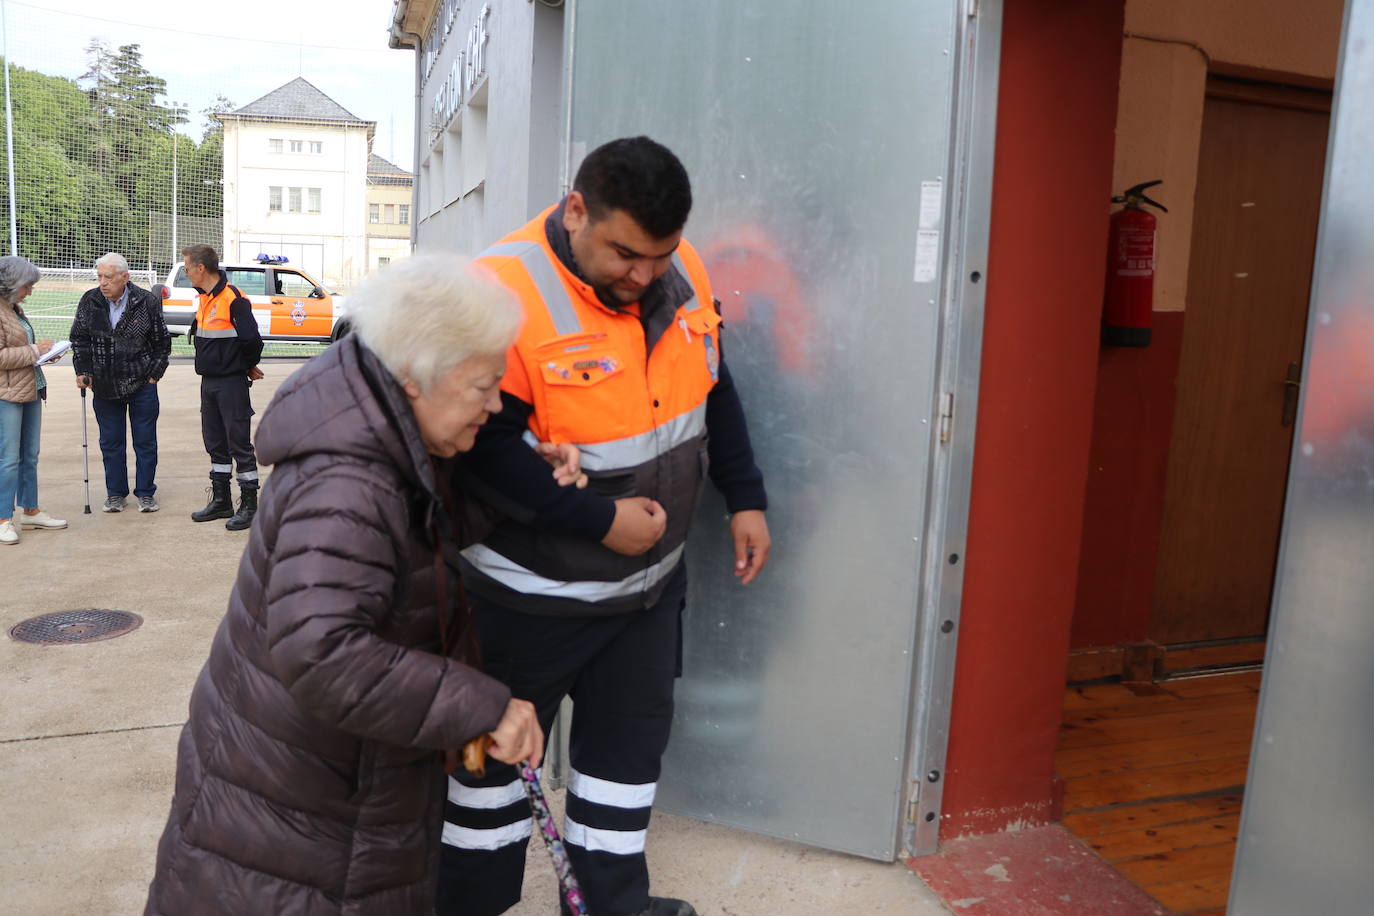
[[619, 671], [226, 413]]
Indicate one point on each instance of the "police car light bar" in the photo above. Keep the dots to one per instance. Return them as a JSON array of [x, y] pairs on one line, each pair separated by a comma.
[[272, 259]]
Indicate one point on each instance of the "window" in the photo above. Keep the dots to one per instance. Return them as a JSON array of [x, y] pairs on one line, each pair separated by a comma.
[[317, 146], [314, 200], [390, 211], [405, 214], [274, 146], [295, 199], [290, 283], [274, 199], [374, 213], [251, 281], [382, 262], [296, 146]]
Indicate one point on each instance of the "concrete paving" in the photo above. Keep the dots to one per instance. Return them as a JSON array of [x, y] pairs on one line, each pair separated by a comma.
[[88, 732]]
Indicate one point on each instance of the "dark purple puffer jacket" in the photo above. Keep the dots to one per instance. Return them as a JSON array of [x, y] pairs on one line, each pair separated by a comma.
[[307, 775]]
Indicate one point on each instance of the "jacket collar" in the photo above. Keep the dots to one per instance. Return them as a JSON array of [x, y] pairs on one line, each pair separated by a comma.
[[219, 286]]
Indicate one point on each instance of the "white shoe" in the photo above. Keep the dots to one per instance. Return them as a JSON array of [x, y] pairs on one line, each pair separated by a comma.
[[8, 533], [41, 520]]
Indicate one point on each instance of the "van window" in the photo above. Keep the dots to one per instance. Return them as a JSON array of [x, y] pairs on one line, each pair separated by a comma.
[[251, 281], [290, 283]]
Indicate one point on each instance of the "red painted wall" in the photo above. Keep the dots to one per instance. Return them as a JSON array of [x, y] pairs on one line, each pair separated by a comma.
[[1132, 429], [1056, 118]]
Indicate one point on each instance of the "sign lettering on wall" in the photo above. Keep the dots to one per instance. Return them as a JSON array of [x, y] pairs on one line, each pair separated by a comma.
[[469, 67]]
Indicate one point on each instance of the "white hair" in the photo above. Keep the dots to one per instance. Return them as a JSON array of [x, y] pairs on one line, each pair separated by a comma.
[[112, 259], [426, 314]]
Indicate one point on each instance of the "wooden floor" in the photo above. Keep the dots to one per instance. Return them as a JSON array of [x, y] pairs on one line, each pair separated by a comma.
[[1153, 777]]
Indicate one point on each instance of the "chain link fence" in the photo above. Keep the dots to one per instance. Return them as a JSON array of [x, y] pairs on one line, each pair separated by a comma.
[[115, 143]]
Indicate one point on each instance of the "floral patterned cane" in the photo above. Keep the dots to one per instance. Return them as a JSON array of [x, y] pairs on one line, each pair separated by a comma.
[[567, 881], [474, 756]]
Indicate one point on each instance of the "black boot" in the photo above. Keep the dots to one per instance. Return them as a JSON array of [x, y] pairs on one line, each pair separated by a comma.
[[221, 505], [248, 507], [668, 906]]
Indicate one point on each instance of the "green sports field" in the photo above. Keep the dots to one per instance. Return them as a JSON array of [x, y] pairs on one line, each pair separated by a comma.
[[51, 312]]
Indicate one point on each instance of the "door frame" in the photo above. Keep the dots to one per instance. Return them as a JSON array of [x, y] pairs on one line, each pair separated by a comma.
[[972, 146]]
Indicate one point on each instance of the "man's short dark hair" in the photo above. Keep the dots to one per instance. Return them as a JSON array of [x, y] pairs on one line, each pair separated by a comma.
[[641, 177], [203, 255]]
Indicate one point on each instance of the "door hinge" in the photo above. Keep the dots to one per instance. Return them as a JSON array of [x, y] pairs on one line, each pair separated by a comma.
[[913, 810], [946, 415], [971, 7]]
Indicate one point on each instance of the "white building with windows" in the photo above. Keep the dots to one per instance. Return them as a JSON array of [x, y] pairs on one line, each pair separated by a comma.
[[296, 183], [389, 189]]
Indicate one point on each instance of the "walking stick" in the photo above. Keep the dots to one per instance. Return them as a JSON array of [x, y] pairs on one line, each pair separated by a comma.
[[474, 759], [85, 453]]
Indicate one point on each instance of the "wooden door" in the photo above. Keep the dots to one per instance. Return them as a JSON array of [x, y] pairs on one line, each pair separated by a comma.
[[1254, 230]]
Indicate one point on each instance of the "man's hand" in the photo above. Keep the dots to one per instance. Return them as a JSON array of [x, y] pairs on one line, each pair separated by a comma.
[[152, 381], [518, 736], [749, 529], [566, 461], [83, 381], [254, 374], [638, 525]]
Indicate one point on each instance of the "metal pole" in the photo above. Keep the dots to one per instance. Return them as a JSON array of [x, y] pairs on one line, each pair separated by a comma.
[[174, 195], [9, 130]]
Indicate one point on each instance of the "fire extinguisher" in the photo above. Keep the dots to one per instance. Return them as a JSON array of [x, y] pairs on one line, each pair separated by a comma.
[[1130, 294]]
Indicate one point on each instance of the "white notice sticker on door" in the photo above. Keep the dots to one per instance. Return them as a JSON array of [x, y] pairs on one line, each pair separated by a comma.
[[927, 255], [932, 203]]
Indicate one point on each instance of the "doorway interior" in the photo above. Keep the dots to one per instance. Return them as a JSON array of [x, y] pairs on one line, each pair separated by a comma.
[[1156, 736]]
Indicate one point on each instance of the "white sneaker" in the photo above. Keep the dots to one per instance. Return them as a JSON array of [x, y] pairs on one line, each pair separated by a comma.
[[8, 533], [41, 520]]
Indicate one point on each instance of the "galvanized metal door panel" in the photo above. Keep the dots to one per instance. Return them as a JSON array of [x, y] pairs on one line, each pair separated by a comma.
[[818, 139], [1306, 841]]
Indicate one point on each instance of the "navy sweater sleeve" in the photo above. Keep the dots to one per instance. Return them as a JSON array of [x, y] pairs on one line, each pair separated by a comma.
[[505, 471], [250, 342], [733, 469]]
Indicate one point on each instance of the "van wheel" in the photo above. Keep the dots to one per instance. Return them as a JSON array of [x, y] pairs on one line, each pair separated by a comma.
[[341, 330]]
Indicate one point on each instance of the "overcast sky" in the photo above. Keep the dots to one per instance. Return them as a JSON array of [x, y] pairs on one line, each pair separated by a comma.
[[242, 49]]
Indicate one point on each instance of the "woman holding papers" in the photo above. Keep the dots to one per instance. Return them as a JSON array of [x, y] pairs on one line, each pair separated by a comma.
[[22, 389]]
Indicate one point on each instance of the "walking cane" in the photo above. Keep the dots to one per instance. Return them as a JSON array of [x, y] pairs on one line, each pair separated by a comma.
[[85, 453], [474, 759]]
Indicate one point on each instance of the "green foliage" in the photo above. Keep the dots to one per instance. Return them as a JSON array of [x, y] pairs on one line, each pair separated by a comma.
[[94, 160]]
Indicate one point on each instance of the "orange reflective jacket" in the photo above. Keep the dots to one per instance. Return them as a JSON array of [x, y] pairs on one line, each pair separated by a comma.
[[633, 402]]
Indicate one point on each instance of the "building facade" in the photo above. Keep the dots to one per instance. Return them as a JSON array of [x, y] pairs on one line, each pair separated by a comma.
[[489, 115], [295, 183], [389, 212]]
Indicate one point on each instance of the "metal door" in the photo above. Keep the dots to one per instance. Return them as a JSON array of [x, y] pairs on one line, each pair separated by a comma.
[[1305, 842], [822, 142]]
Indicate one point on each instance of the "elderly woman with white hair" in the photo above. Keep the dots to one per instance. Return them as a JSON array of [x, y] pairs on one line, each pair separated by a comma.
[[308, 775], [22, 392]]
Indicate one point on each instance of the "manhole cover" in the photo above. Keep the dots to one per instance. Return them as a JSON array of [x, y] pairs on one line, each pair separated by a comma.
[[87, 625]]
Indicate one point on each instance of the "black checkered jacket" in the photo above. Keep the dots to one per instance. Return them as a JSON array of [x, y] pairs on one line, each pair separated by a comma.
[[120, 360]]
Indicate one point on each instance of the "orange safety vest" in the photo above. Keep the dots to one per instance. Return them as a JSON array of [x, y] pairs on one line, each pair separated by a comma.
[[638, 415], [212, 312]]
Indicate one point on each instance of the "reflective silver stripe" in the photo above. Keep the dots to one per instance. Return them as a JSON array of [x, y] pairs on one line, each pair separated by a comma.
[[545, 276], [222, 332], [495, 838], [485, 797], [551, 290], [614, 794], [692, 304], [222, 468], [594, 839], [248, 475], [518, 578], [635, 450], [507, 249]]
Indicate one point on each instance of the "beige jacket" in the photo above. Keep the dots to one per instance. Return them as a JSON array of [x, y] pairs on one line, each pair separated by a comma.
[[18, 381]]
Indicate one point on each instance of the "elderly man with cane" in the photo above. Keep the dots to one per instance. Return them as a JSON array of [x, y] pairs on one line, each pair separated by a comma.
[[120, 347]]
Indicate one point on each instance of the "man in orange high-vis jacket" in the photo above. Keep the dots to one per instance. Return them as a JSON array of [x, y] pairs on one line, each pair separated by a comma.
[[581, 593], [228, 347]]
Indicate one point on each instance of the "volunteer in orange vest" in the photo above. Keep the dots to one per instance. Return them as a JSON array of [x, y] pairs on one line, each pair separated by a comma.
[[581, 594], [228, 348]]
